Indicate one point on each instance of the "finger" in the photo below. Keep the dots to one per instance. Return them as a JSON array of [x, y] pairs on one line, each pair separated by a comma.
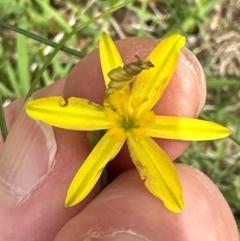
[[185, 95], [12, 111], [125, 210], [37, 165]]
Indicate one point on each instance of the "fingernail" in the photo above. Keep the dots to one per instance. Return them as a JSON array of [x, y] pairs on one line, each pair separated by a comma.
[[191, 62], [125, 235], [26, 159]]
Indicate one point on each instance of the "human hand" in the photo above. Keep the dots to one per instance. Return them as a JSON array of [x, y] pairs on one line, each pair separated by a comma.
[[38, 166]]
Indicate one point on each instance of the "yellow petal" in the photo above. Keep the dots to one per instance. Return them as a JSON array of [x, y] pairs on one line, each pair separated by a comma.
[[90, 171], [109, 56], [161, 176], [150, 84], [182, 128], [77, 114]]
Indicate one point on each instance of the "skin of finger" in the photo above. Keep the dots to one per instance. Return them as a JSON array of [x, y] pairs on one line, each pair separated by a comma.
[[126, 205], [185, 95], [43, 214], [12, 110]]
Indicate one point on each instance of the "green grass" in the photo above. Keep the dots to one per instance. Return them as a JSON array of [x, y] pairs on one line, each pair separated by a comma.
[[27, 62]]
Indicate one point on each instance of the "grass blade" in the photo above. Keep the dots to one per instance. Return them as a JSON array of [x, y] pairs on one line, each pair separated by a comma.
[[3, 125], [23, 64], [50, 11], [12, 78], [41, 39], [6, 92], [222, 82]]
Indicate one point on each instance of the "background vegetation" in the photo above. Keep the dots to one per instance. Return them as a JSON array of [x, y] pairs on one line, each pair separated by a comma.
[[213, 34]]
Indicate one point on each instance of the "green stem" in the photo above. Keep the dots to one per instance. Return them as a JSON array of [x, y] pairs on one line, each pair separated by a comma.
[[104, 178], [41, 39], [3, 125]]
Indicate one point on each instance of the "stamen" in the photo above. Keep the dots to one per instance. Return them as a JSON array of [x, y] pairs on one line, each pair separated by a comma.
[[117, 133]]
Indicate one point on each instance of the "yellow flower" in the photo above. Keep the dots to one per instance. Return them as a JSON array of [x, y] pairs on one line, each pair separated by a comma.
[[127, 115]]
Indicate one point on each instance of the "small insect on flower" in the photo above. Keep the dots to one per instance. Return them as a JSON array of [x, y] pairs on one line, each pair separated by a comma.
[[122, 76]]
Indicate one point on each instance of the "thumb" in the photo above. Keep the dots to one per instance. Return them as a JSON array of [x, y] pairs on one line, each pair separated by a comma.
[[37, 164]]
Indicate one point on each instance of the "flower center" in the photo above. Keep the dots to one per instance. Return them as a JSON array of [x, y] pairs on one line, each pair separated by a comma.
[[118, 110], [128, 124]]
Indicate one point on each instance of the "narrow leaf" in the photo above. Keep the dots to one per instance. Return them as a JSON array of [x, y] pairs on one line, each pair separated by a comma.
[[3, 124]]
